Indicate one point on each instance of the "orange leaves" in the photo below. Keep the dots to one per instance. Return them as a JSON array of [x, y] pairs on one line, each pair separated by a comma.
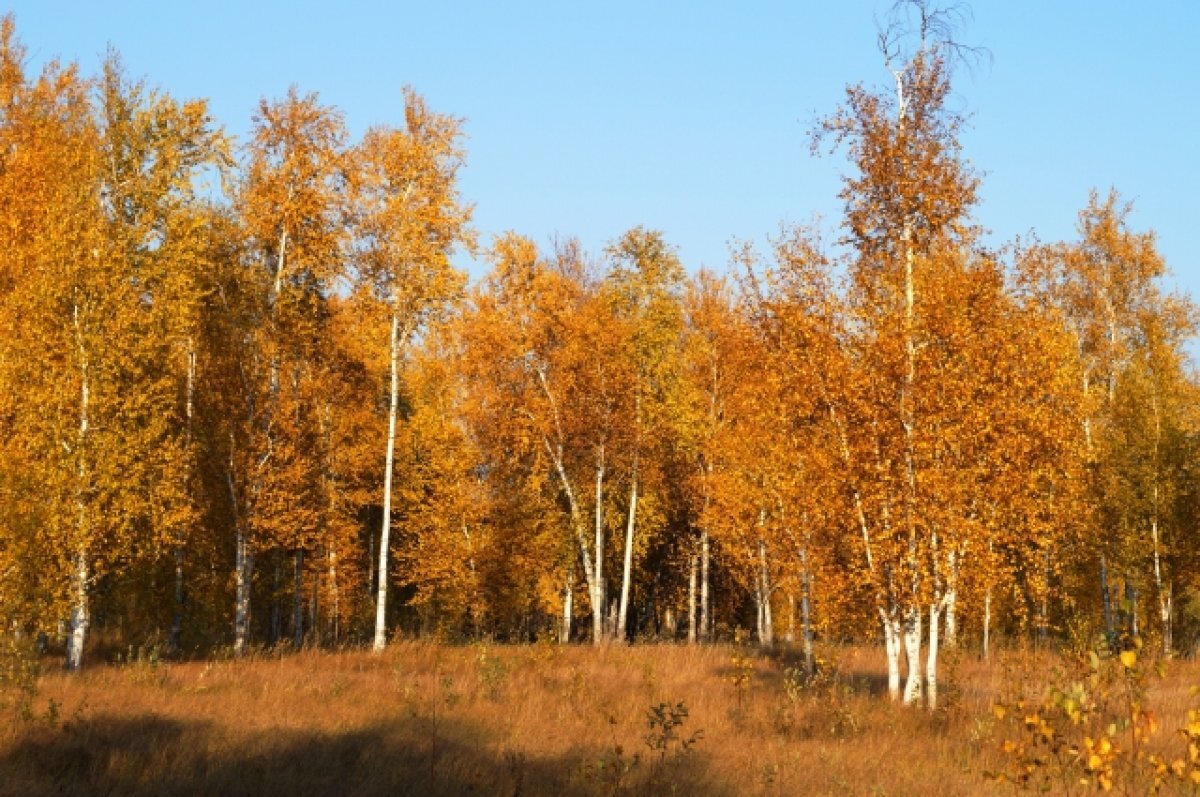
[[411, 217], [448, 547], [292, 199], [912, 190], [882, 427]]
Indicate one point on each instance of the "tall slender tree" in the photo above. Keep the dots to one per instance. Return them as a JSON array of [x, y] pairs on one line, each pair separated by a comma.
[[292, 204], [411, 221], [645, 289], [907, 219]]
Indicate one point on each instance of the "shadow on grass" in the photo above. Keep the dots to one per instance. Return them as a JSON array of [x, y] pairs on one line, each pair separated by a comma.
[[108, 755], [782, 659], [869, 683]]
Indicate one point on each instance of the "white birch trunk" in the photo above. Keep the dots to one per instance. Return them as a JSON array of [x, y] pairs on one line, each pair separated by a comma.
[[79, 578], [987, 623], [758, 610], [1164, 613], [766, 632], [951, 600], [891, 647], [908, 421], [705, 602], [692, 576], [281, 263], [585, 556], [1162, 588], [555, 451], [598, 596], [80, 617], [951, 617], [768, 619], [912, 654], [476, 599], [243, 569], [912, 620], [244, 562], [334, 596], [564, 632], [627, 569], [931, 661], [174, 639], [389, 462]]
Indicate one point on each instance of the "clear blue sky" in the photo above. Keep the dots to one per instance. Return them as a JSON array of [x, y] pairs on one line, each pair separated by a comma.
[[692, 117]]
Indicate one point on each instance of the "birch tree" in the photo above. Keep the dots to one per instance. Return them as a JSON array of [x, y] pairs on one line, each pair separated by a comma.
[[906, 217], [1144, 458], [646, 283], [450, 551], [799, 318], [119, 187], [542, 341], [155, 151], [48, 192], [1103, 287], [709, 354], [412, 218], [292, 205]]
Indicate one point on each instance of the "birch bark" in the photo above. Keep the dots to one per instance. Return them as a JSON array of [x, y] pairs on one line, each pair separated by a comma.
[[81, 575], [627, 569], [380, 641]]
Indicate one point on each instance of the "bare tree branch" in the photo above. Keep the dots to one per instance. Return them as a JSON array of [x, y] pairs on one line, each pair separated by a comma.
[[915, 27]]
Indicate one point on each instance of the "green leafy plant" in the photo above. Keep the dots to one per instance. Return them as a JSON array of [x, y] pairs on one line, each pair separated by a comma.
[[666, 722], [741, 668], [610, 770], [492, 673]]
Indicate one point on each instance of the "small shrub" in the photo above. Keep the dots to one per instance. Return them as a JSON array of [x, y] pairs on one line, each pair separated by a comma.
[[665, 723], [1091, 732], [741, 669], [492, 673], [611, 770], [18, 679]]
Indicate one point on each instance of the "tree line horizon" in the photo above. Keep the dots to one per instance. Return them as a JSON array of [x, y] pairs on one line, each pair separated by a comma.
[[278, 414]]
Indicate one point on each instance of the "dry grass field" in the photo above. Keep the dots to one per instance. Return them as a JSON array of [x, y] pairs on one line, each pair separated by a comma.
[[427, 719]]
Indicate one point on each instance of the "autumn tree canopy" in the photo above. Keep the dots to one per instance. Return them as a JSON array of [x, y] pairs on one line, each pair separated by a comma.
[[250, 396]]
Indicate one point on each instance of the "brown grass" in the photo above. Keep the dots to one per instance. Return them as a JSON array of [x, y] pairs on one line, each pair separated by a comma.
[[424, 719]]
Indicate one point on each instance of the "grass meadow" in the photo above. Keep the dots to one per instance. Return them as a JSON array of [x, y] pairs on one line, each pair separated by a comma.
[[656, 719]]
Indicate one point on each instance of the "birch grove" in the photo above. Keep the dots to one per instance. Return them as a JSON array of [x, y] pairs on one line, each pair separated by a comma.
[[284, 395]]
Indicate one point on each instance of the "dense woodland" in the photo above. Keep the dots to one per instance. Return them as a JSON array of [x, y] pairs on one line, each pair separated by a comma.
[[246, 398]]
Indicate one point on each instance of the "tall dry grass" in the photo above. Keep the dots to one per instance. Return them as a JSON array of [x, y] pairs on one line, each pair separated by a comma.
[[426, 719]]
